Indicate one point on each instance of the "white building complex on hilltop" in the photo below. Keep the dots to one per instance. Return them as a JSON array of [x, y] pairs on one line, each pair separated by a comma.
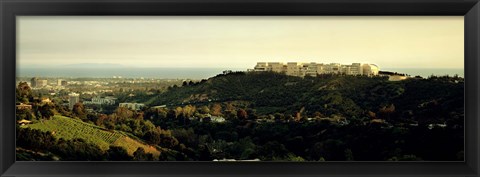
[[312, 69]]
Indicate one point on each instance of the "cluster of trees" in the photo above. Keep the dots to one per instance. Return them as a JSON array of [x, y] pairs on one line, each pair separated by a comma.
[[40, 110], [272, 116], [70, 150], [243, 97], [268, 94]]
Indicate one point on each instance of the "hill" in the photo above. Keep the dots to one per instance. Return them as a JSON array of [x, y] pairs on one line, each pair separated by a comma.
[[68, 129], [350, 96]]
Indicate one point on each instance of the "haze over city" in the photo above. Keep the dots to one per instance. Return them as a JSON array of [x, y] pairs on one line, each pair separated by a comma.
[[239, 42]]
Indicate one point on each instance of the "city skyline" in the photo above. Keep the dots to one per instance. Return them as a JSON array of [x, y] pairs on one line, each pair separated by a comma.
[[240, 42]]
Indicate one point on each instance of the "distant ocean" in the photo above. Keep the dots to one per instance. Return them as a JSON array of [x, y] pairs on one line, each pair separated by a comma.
[[186, 73], [426, 72], [161, 73]]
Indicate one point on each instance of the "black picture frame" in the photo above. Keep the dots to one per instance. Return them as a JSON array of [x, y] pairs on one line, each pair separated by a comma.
[[9, 9]]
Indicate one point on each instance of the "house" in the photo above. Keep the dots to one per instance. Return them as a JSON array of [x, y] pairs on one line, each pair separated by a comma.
[[24, 122], [210, 118], [22, 106], [46, 100], [158, 107], [217, 119]]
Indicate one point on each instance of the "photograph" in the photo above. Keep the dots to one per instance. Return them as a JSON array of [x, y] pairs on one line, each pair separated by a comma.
[[240, 88]]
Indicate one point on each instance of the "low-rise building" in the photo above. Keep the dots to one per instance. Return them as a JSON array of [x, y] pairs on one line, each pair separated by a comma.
[[397, 78], [24, 122], [22, 106], [132, 106], [42, 83], [36, 83], [102, 100]]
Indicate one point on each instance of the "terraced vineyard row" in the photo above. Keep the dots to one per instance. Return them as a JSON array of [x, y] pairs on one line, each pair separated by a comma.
[[68, 128]]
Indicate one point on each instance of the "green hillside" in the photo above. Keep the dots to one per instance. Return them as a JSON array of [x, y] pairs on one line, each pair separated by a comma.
[[68, 129], [349, 96]]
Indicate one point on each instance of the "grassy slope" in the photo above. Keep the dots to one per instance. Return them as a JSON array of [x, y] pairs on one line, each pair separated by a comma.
[[68, 128]]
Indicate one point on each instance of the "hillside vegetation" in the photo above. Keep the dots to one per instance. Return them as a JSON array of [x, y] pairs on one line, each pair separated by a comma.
[[69, 129], [259, 115], [424, 100]]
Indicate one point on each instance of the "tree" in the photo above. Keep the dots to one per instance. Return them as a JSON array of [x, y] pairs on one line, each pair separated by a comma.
[[168, 141], [204, 110], [140, 155], [79, 111], [272, 150], [26, 114], [23, 92], [242, 114], [386, 112], [161, 114], [172, 114], [152, 137], [216, 110], [117, 153], [179, 112], [47, 111], [188, 111], [123, 113], [100, 119]]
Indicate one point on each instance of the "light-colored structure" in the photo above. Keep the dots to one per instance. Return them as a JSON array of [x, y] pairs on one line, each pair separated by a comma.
[[132, 106], [293, 69], [370, 69], [24, 122], [261, 66], [356, 69], [276, 67], [313, 69], [33, 82], [22, 106], [397, 77], [73, 98], [42, 83], [102, 100]]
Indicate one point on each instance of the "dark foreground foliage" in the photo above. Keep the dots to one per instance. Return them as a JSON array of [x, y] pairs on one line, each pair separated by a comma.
[[271, 116]]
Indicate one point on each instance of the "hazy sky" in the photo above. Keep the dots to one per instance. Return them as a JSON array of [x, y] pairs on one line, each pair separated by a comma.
[[240, 42]]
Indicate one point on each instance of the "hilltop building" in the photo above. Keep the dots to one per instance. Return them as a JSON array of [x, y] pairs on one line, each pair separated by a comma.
[[73, 98], [313, 69]]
